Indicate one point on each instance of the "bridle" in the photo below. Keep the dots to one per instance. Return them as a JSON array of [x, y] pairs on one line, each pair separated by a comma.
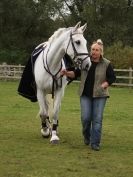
[[76, 63], [76, 54]]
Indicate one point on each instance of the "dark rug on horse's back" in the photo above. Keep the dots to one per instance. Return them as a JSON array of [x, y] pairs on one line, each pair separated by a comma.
[[27, 85]]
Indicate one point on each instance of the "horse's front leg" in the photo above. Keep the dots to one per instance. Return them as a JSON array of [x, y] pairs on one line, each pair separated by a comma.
[[45, 123], [57, 103]]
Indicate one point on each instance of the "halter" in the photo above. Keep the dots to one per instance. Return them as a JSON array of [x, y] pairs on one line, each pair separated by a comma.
[[79, 60]]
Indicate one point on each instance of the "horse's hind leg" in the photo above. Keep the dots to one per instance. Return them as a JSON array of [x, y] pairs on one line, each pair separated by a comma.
[[45, 123]]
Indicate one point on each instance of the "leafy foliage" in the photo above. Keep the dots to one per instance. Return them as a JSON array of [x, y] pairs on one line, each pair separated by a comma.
[[25, 24], [121, 56]]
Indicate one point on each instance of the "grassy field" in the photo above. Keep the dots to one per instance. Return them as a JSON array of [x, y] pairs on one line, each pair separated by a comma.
[[24, 153]]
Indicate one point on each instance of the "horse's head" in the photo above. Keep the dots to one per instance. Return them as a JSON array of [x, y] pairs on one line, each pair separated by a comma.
[[77, 48]]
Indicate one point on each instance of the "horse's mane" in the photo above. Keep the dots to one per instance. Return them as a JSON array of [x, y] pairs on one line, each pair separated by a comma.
[[58, 33]]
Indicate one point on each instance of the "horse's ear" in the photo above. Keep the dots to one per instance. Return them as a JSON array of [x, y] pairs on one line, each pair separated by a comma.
[[77, 26], [83, 28]]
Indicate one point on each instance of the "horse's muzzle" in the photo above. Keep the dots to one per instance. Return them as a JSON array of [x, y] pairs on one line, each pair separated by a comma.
[[86, 64]]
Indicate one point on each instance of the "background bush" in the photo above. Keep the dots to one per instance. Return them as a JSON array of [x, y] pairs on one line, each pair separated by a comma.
[[121, 56]]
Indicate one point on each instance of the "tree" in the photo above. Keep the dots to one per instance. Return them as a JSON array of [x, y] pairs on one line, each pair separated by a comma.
[[25, 24]]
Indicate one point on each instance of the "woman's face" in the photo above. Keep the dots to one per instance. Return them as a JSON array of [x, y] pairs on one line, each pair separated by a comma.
[[96, 51]]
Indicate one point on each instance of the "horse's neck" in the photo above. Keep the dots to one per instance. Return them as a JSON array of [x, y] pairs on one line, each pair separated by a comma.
[[56, 52]]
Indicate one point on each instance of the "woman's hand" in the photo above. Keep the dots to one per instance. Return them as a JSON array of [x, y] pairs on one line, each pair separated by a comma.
[[70, 74], [63, 72], [104, 85]]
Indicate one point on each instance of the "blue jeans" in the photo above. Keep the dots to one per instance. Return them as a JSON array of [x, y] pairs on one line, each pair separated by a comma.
[[91, 118]]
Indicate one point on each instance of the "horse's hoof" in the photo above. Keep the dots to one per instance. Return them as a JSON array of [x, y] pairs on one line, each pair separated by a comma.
[[45, 132], [54, 139], [54, 142], [46, 137]]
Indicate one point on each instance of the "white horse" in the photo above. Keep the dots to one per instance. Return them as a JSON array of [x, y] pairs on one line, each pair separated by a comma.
[[47, 72]]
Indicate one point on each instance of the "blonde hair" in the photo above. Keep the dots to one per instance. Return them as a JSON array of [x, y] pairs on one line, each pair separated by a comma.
[[100, 43]]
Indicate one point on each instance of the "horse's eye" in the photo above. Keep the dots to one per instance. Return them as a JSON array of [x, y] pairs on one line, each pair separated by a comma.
[[78, 42]]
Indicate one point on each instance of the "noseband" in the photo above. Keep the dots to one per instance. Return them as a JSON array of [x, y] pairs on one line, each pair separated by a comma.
[[76, 54]]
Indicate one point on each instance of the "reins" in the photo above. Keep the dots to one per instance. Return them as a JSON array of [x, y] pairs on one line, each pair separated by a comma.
[[54, 76]]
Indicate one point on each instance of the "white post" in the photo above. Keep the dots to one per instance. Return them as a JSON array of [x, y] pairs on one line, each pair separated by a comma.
[[20, 70], [5, 70], [130, 75]]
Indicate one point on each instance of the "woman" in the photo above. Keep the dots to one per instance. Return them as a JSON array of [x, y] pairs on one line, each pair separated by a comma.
[[93, 94]]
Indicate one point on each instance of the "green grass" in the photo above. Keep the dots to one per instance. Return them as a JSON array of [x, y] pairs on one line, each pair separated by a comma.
[[24, 153]]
